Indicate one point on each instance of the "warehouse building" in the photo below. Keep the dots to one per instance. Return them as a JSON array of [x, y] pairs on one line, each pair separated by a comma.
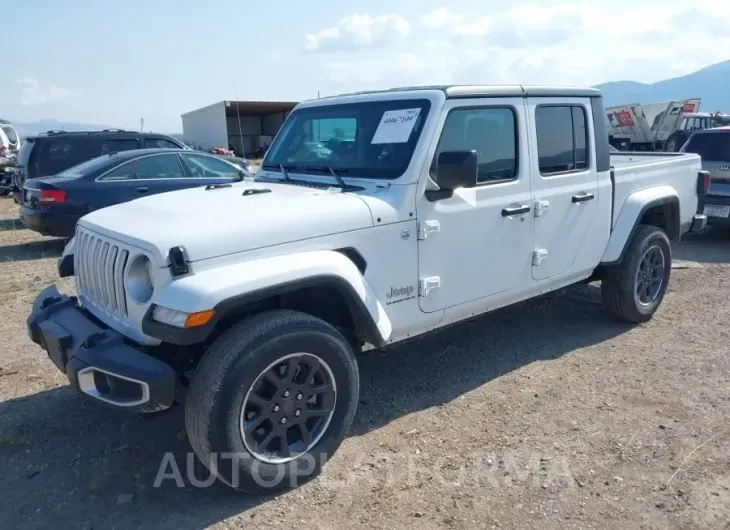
[[243, 125]]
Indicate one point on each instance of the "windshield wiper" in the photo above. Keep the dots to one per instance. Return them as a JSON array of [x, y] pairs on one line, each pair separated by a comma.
[[281, 167], [284, 172], [338, 178]]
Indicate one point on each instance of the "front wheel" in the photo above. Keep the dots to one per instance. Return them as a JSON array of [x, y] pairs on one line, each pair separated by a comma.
[[634, 289], [272, 400]]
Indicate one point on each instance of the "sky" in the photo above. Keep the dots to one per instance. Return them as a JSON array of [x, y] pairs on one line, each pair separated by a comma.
[[112, 63]]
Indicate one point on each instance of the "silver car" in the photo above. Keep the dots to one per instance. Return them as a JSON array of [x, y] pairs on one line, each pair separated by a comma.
[[713, 146]]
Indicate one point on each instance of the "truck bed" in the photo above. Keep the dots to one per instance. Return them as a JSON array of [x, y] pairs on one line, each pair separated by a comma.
[[679, 171]]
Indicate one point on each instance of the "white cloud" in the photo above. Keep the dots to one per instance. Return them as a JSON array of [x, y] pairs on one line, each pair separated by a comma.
[[32, 94], [439, 18], [359, 31], [372, 72], [575, 44]]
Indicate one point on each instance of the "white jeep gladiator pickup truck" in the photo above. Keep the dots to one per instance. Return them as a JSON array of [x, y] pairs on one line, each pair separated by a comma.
[[415, 209]]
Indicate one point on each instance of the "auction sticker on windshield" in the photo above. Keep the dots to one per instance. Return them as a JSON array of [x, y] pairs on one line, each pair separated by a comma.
[[396, 126]]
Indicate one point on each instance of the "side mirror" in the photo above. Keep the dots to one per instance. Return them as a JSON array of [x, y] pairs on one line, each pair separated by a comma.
[[454, 169]]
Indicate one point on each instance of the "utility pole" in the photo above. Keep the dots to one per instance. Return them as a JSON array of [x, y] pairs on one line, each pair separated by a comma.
[[141, 124], [238, 113]]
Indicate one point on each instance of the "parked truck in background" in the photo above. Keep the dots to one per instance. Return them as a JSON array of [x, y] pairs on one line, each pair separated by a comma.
[[646, 127], [437, 205]]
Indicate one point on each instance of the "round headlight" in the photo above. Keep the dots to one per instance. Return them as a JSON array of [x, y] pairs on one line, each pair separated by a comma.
[[139, 279]]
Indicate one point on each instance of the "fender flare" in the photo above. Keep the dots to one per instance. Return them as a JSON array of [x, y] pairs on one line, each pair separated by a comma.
[[229, 287], [627, 222]]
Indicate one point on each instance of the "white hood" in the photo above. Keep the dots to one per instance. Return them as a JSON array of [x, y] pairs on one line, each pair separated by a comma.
[[216, 222]]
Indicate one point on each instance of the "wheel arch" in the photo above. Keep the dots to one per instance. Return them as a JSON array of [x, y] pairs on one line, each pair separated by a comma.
[[652, 206], [325, 284]]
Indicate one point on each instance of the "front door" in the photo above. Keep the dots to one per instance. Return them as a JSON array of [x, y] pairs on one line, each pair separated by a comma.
[[478, 242], [565, 185]]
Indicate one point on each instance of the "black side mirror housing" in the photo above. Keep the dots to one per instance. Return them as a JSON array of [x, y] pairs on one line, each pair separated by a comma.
[[454, 169]]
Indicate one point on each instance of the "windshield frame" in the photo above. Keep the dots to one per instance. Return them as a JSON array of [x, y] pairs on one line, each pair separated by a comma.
[[344, 110]]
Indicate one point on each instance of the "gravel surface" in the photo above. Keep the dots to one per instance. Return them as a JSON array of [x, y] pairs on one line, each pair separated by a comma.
[[548, 414]]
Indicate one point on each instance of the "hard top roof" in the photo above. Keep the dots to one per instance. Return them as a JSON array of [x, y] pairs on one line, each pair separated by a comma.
[[463, 91]]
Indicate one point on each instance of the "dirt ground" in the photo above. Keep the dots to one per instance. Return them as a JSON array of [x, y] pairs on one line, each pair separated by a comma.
[[548, 414]]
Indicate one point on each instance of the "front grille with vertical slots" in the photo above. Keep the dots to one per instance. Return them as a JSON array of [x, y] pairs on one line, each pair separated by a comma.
[[99, 264]]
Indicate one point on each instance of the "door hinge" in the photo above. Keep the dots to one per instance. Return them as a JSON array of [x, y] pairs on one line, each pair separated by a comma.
[[428, 285], [538, 256], [428, 227], [541, 207]]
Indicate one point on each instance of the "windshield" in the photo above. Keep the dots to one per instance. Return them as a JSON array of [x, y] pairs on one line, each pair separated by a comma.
[[373, 139], [712, 147], [10, 133]]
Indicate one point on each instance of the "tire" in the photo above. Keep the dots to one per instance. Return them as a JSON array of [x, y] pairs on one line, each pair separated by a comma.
[[675, 142], [619, 285], [229, 376]]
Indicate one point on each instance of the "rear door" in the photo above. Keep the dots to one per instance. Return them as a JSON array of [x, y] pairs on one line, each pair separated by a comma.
[[114, 187], [564, 184], [143, 176]]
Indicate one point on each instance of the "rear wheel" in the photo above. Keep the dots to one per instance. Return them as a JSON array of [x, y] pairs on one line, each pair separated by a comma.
[[634, 289], [272, 400]]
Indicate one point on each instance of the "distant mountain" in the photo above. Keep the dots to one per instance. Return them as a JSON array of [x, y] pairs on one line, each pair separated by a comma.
[[30, 129], [711, 84]]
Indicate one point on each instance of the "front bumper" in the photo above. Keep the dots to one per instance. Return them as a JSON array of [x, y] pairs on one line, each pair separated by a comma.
[[97, 360]]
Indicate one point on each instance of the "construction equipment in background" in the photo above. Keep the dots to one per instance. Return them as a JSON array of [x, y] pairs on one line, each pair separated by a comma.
[[649, 127]]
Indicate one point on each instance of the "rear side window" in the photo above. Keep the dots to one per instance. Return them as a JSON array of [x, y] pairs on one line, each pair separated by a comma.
[[712, 147], [162, 143], [562, 139], [59, 154], [123, 172], [118, 145]]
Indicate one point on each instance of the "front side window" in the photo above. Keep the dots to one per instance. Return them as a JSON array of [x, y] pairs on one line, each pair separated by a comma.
[[160, 143], [158, 167], [373, 139], [562, 139], [209, 167], [491, 132]]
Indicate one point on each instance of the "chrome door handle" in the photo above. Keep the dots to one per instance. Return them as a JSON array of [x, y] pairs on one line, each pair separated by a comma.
[[516, 210], [583, 197], [143, 189]]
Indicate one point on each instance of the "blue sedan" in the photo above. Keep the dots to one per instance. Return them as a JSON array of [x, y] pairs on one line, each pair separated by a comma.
[[53, 205]]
